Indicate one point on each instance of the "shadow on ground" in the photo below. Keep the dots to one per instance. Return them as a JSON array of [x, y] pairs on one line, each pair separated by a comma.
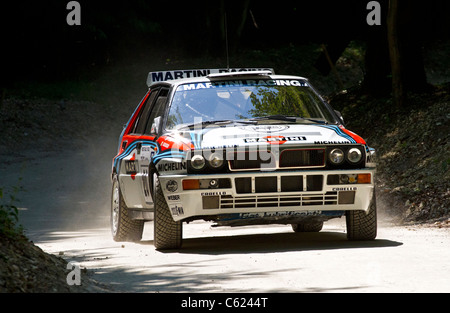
[[273, 243]]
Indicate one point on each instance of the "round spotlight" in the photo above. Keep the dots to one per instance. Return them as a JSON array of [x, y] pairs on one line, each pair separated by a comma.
[[336, 156], [198, 162], [354, 155], [343, 179], [214, 183], [216, 160]]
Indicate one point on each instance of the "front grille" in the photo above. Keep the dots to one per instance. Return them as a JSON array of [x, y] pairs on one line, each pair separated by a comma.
[[302, 158], [258, 201], [268, 184], [265, 184], [289, 158], [291, 183]]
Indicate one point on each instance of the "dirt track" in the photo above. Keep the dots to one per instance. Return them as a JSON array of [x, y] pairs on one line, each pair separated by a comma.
[[65, 211]]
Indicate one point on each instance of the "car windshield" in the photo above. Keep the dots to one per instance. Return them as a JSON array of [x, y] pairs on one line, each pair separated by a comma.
[[265, 101]]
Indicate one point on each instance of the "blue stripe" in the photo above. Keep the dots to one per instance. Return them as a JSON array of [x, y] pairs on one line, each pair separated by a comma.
[[130, 148], [338, 131], [196, 139], [168, 154]]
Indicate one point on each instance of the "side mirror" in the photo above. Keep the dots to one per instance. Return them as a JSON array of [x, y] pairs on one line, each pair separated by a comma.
[[340, 116]]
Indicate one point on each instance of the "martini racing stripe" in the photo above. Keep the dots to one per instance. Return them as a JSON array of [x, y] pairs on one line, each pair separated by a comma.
[[168, 154], [131, 147], [357, 138], [339, 131], [196, 139]]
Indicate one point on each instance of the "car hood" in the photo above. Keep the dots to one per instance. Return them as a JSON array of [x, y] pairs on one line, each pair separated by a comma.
[[280, 134]]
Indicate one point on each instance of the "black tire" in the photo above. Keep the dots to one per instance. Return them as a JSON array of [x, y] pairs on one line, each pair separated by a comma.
[[311, 227], [168, 234], [123, 228], [362, 225]]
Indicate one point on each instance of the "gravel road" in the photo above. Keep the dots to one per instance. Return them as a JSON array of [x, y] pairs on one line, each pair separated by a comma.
[[64, 209]]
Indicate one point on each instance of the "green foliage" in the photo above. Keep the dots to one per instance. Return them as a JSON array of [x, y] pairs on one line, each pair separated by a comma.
[[279, 101], [9, 214]]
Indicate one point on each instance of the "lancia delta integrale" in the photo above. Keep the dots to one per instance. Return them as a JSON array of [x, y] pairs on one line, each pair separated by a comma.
[[238, 147]]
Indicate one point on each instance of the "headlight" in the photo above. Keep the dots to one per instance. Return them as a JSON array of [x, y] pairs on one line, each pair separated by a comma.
[[197, 162], [336, 156], [354, 155], [215, 160]]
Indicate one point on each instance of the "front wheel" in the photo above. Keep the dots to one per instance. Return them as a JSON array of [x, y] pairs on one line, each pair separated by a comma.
[[123, 228], [362, 225], [168, 234]]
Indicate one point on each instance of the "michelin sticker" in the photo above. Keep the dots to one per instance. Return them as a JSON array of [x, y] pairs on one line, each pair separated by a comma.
[[171, 166]]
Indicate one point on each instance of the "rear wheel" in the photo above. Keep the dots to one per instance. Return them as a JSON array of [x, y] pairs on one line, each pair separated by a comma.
[[168, 234], [362, 225], [123, 228]]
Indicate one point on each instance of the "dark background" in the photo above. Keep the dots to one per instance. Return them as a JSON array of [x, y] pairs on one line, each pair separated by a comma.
[[37, 43]]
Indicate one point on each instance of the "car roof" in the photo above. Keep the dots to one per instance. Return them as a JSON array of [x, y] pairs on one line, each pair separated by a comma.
[[206, 76]]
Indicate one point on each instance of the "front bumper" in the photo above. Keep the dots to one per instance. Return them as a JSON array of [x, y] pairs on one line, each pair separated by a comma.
[[285, 194]]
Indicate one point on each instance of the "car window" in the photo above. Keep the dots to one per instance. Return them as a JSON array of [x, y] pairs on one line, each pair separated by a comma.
[[141, 120], [157, 111]]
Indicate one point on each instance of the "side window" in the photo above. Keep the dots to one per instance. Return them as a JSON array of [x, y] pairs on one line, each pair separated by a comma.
[[139, 126], [157, 112]]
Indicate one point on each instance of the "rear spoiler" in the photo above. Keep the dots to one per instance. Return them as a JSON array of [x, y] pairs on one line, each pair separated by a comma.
[[154, 77]]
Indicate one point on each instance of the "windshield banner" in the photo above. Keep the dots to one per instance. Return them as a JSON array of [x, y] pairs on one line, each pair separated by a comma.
[[244, 83], [180, 74]]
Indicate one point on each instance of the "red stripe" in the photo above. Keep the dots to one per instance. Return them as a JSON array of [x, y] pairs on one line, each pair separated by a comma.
[[357, 138]]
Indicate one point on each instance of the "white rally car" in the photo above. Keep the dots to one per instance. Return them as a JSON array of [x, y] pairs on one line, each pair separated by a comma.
[[238, 147]]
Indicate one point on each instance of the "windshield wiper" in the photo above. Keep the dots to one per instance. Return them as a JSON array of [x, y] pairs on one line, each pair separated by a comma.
[[219, 122], [313, 120], [292, 119], [277, 118]]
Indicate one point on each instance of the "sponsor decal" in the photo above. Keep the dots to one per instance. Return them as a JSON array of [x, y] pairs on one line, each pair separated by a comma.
[[180, 74], [275, 140], [173, 197], [173, 166], [171, 186], [345, 189], [330, 142], [177, 209], [243, 83], [279, 214], [214, 193]]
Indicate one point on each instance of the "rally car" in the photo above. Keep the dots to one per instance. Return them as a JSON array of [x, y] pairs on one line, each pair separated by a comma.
[[238, 147]]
